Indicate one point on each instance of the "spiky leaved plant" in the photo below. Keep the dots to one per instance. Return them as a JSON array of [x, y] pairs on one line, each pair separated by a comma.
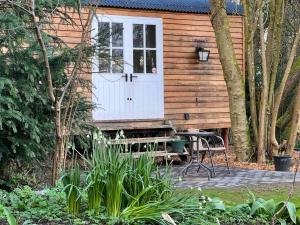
[[71, 183], [128, 188], [105, 177], [95, 188]]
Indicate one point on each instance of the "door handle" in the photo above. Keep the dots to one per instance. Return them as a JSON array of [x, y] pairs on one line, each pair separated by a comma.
[[126, 77], [131, 76]]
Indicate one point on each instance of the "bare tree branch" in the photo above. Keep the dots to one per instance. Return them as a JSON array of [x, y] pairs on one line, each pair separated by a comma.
[[44, 52], [85, 32]]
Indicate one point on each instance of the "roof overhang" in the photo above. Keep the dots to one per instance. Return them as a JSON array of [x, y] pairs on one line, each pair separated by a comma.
[[187, 6]]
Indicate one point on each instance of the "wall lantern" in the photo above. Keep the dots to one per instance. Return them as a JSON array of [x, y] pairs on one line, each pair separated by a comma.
[[203, 54]]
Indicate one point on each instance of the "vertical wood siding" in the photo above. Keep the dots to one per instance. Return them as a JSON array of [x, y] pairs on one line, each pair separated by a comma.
[[190, 86]]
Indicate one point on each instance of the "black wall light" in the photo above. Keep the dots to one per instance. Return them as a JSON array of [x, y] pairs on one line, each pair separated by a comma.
[[203, 54]]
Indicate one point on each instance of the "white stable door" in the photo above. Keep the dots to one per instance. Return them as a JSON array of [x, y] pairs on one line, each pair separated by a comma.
[[128, 71]]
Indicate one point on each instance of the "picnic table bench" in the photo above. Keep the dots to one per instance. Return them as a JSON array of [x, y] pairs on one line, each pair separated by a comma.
[[147, 140]]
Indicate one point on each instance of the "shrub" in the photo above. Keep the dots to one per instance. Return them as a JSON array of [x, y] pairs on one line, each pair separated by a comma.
[[27, 125]]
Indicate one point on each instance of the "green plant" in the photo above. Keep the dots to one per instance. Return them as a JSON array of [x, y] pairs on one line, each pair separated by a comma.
[[27, 118], [126, 188], [10, 218], [270, 208], [71, 182], [153, 211], [35, 207], [95, 188], [105, 177]]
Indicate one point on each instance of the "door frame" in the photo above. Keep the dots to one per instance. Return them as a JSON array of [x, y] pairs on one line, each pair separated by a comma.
[[159, 46]]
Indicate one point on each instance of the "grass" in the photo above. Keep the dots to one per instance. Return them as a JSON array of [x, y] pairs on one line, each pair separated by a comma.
[[239, 195]]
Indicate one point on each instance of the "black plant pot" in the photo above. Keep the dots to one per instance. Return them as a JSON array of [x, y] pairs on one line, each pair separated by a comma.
[[282, 162]]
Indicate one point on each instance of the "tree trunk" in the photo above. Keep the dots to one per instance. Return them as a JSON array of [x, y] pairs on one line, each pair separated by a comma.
[[57, 160], [295, 122], [261, 151], [233, 78], [279, 94], [251, 83], [274, 44], [250, 28], [58, 157]]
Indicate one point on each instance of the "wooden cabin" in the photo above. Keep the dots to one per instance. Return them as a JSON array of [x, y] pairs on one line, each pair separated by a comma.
[[158, 79]]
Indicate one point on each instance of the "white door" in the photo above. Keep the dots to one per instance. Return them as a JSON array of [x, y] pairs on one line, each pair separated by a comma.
[[127, 71]]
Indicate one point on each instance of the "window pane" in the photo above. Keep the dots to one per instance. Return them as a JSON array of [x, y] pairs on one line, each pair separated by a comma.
[[117, 61], [150, 36], [151, 61], [138, 37], [103, 34], [138, 61], [117, 34], [104, 61]]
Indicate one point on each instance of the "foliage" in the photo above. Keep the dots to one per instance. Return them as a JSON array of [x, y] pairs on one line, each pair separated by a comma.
[[71, 182], [10, 218], [128, 189], [270, 208], [25, 124], [27, 128], [29, 205], [48, 207]]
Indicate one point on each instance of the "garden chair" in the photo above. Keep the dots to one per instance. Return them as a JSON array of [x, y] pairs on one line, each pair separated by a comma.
[[210, 146]]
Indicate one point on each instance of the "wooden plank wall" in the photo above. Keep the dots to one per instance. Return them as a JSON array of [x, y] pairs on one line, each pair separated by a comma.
[[185, 78]]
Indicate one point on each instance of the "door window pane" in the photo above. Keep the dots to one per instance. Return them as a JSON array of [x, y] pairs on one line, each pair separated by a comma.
[[104, 61], [138, 36], [151, 61], [103, 34], [150, 36], [138, 61], [117, 34], [110, 51], [117, 61]]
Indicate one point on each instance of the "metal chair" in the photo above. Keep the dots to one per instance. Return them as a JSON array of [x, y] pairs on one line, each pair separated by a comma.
[[212, 145]]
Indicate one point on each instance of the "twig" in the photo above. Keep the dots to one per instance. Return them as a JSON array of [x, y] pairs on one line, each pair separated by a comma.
[[76, 65], [19, 6], [44, 51]]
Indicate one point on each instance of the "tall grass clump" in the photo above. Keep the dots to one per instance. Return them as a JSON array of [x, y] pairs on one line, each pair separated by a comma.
[[122, 187], [94, 188], [71, 183]]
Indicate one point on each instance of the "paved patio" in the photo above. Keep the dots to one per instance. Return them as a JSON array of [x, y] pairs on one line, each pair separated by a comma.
[[237, 177]]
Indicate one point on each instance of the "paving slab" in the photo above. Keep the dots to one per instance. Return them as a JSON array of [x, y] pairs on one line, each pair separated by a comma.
[[238, 177]]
